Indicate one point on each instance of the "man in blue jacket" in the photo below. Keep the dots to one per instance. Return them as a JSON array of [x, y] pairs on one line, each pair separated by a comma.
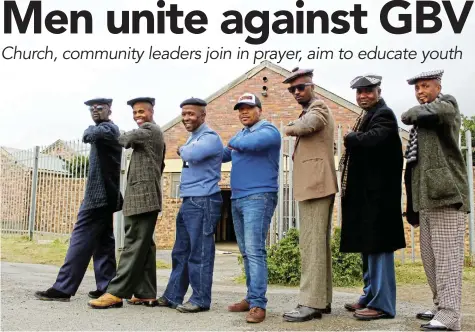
[[254, 153], [194, 250]]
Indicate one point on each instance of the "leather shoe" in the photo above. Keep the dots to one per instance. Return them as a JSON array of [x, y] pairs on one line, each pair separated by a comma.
[[95, 294], [163, 302], [370, 314], [429, 327], [302, 314], [106, 301], [145, 302], [242, 306], [354, 306], [256, 315], [425, 316], [52, 294], [189, 307]]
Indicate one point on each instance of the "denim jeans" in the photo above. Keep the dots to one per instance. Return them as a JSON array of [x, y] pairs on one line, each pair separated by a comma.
[[252, 216], [194, 250]]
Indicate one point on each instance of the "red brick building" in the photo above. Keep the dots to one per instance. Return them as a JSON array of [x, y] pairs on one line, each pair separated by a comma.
[[279, 106]]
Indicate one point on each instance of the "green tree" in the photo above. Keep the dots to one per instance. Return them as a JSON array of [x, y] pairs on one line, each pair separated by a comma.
[[78, 166], [468, 123]]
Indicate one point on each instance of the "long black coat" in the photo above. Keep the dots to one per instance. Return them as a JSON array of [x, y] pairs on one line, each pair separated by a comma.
[[371, 208]]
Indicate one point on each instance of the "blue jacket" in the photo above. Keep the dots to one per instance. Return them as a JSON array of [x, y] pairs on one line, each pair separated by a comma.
[[255, 160], [202, 157]]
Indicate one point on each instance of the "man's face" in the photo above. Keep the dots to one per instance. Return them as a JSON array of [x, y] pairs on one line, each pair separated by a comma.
[[193, 116], [100, 112], [142, 112], [249, 115], [367, 97], [427, 90], [302, 89]]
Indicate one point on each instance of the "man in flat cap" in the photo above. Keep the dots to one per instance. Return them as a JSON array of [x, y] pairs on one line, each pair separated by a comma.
[[371, 199], [194, 250], [315, 185], [437, 191], [93, 235], [254, 152], [136, 277]]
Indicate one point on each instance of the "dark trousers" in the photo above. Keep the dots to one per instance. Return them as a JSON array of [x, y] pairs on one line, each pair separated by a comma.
[[92, 236], [137, 270], [194, 250]]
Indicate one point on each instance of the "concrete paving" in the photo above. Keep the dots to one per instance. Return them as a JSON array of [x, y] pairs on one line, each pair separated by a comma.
[[21, 311]]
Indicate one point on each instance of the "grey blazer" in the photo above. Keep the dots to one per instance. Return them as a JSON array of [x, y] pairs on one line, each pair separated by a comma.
[[143, 191]]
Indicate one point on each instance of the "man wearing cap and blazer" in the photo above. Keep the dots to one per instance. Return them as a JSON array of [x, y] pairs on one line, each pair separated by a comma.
[[93, 235], [194, 250], [371, 199], [437, 192], [315, 185], [136, 277]]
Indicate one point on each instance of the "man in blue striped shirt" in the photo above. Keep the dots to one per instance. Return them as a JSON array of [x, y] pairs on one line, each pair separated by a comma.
[[194, 250]]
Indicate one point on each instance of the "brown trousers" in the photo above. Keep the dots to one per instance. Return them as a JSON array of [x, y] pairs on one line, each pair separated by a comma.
[[315, 252]]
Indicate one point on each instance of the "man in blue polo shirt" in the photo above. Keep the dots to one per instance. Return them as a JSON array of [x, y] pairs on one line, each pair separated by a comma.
[[254, 153], [194, 250]]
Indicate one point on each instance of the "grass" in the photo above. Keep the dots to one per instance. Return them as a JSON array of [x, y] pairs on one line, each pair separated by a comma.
[[18, 249], [406, 274]]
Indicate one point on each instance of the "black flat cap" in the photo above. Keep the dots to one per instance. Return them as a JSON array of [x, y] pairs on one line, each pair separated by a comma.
[[296, 73], [100, 101], [428, 75], [134, 101], [193, 101], [366, 81]]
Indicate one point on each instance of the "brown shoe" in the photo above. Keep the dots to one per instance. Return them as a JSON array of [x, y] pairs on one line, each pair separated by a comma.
[[256, 315], [370, 314], [145, 302], [239, 307], [354, 306], [106, 301]]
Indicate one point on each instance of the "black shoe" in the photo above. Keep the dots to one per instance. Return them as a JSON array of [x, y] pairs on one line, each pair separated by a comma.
[[189, 307], [95, 294], [429, 327], [425, 316], [327, 310], [163, 302], [52, 295], [302, 314]]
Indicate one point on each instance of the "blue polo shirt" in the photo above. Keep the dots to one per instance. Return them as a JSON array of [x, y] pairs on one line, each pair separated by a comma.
[[255, 160], [202, 157]]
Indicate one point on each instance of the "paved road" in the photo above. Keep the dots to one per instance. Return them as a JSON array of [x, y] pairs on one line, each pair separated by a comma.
[[21, 311]]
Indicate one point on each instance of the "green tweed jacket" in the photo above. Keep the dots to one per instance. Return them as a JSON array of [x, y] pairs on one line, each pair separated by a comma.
[[439, 177]]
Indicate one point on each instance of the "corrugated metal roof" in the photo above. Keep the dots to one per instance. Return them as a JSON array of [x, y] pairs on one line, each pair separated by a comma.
[[46, 162]]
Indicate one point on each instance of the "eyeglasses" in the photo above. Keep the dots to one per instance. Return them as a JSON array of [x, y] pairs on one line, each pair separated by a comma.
[[299, 87], [97, 107]]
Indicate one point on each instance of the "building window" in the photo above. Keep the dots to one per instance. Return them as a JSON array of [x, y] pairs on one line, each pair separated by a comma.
[[175, 185]]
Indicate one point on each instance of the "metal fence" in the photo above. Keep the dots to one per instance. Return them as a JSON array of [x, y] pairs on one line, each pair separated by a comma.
[[287, 216], [41, 190]]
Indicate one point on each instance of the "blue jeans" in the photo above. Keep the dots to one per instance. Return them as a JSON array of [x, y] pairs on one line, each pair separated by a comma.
[[194, 250], [252, 216], [379, 282]]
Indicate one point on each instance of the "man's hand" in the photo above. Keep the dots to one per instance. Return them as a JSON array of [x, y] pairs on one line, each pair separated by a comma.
[[178, 150], [405, 119]]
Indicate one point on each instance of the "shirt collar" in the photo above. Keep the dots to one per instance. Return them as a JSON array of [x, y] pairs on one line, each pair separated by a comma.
[[199, 130], [256, 126]]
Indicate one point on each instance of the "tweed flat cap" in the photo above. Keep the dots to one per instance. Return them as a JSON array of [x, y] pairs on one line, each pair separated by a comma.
[[365, 81], [194, 101], [98, 101], [296, 73], [134, 101], [428, 75]]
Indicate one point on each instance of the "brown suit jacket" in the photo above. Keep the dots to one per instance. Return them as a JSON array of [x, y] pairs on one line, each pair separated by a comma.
[[314, 174], [143, 191]]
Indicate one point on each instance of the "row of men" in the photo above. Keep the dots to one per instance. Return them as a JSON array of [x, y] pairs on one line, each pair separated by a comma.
[[372, 222]]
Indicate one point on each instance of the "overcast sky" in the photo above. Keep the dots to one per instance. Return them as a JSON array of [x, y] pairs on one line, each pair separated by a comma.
[[42, 101]]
